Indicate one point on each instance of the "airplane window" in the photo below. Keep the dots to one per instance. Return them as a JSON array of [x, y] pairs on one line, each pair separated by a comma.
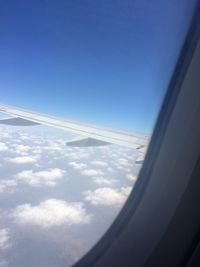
[[81, 86]]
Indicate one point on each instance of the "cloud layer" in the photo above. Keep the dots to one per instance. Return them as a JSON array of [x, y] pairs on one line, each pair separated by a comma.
[[37, 198]]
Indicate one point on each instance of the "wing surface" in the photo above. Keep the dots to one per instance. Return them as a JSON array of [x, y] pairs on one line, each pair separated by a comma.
[[91, 135]]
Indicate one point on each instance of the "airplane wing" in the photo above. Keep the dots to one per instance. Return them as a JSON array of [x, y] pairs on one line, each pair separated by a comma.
[[89, 135]]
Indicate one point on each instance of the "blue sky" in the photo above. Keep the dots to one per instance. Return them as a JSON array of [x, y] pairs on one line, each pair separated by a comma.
[[106, 62]]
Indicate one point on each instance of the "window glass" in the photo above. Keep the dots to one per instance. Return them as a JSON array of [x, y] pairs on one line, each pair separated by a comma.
[[105, 63]]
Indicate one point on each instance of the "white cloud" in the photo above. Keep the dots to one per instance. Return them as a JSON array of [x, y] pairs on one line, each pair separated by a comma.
[[104, 181], [22, 160], [131, 177], [3, 147], [110, 169], [92, 172], [38, 142], [100, 163], [78, 165], [4, 134], [107, 196], [4, 238], [20, 148], [78, 154], [51, 212], [130, 157], [7, 184], [25, 136], [124, 162], [53, 147], [49, 177], [114, 155], [37, 150]]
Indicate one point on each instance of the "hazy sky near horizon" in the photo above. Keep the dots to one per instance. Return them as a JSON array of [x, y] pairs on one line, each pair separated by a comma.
[[106, 62]]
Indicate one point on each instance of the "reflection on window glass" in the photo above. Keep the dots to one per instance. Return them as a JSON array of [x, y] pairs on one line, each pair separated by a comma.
[[102, 62]]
